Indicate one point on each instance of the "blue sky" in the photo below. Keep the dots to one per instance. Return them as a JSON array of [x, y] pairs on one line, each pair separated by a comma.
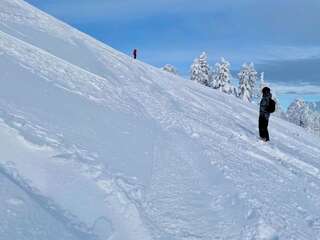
[[282, 37]]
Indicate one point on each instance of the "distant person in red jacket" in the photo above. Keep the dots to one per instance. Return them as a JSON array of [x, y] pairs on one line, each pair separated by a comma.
[[135, 51]]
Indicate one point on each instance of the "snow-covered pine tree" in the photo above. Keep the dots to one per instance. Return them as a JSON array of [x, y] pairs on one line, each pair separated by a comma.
[[221, 77], [200, 70], [171, 69], [314, 106], [257, 92], [316, 123], [247, 80], [299, 113], [262, 77]]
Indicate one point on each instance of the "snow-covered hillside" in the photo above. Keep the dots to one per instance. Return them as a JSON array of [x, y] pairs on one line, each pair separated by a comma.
[[95, 145]]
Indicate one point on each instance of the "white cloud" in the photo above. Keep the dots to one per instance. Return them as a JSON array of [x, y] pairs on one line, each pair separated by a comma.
[[296, 89], [285, 53], [260, 54]]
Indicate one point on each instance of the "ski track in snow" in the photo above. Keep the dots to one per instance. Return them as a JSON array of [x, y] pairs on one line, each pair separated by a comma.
[[113, 193], [145, 154]]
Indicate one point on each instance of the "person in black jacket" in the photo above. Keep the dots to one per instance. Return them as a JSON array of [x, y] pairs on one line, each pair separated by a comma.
[[134, 53], [264, 114]]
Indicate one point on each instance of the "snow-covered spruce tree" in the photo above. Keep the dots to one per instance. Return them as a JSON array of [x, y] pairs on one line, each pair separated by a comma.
[[299, 113], [200, 70], [247, 80], [316, 123], [221, 77], [171, 69], [257, 91], [314, 106]]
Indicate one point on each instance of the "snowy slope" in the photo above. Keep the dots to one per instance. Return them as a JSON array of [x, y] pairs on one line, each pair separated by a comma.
[[95, 145]]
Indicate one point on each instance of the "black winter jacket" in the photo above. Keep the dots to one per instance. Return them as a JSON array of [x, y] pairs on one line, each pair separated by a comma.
[[264, 106]]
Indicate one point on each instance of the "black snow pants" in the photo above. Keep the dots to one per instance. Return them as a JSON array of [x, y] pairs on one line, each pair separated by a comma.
[[263, 127]]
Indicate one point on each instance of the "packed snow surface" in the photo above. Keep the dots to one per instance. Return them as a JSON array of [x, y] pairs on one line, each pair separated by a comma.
[[96, 145]]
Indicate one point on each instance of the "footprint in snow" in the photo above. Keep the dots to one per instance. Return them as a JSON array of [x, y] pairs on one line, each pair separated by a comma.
[[15, 201]]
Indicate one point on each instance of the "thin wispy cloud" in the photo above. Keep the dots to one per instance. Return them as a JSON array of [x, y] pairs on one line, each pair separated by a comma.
[[296, 89], [265, 57], [283, 53]]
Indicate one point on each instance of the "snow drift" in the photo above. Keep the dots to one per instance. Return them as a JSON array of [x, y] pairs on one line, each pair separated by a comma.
[[95, 145]]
